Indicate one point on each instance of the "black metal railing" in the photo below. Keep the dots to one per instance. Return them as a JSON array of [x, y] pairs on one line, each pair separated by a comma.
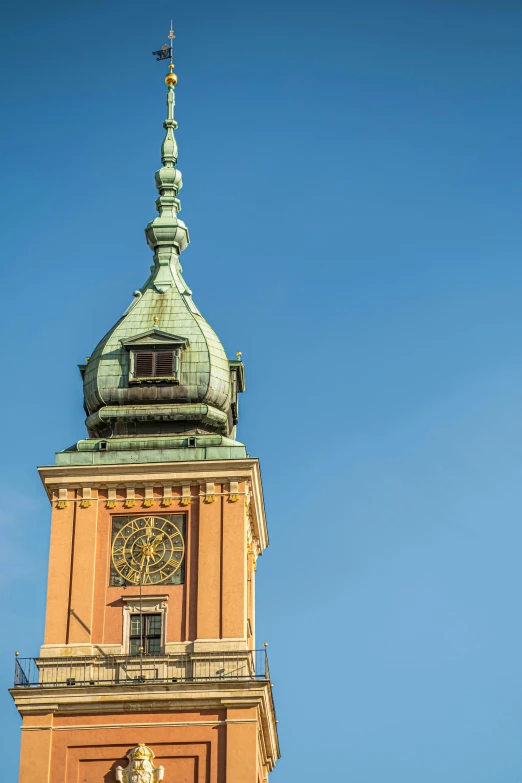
[[131, 670]]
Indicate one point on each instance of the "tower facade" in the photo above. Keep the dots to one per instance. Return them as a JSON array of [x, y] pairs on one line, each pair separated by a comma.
[[149, 668]]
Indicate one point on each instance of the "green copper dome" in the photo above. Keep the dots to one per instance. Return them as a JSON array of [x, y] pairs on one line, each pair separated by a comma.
[[161, 371]]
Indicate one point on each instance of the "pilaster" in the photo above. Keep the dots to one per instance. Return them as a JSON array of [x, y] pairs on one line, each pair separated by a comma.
[[36, 747], [83, 570], [209, 567], [234, 569], [242, 746], [62, 532]]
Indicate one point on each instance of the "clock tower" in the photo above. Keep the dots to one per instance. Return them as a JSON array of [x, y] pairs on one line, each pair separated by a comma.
[[149, 668]]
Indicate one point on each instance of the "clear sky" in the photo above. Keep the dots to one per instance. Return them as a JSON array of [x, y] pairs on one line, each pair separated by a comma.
[[353, 189]]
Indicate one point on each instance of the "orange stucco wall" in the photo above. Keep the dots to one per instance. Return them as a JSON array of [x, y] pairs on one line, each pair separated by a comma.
[[212, 603], [215, 602], [198, 747]]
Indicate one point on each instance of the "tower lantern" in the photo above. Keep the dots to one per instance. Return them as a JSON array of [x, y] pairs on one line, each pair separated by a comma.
[[149, 668]]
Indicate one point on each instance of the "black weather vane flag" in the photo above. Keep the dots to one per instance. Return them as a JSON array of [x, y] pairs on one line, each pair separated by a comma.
[[165, 53]]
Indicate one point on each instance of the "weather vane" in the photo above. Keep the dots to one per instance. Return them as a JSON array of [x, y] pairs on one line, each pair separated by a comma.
[[165, 53]]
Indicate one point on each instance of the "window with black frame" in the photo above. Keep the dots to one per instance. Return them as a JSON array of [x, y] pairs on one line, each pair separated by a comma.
[[145, 630]]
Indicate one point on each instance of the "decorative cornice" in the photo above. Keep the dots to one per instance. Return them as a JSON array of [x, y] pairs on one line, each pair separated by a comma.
[[166, 474], [207, 415], [144, 598]]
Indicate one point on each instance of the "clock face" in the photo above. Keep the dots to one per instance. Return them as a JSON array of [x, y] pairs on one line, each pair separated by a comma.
[[148, 549]]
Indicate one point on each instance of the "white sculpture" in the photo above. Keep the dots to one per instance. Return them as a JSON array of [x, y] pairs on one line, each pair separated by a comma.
[[140, 768]]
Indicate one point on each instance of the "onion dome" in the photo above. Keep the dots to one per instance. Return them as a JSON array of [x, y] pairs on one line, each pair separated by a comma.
[[161, 371]]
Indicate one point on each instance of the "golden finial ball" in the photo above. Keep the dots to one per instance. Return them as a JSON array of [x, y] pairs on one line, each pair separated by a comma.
[[171, 79]]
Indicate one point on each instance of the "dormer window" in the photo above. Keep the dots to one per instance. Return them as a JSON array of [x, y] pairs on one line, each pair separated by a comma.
[[155, 365], [155, 357]]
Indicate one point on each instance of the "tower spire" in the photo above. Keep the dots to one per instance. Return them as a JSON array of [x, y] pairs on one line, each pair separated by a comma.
[[196, 390], [167, 235], [169, 149]]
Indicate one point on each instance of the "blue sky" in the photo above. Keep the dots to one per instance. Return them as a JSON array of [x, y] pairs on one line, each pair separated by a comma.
[[353, 187]]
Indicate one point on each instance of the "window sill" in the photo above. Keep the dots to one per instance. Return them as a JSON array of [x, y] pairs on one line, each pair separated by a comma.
[[156, 379]]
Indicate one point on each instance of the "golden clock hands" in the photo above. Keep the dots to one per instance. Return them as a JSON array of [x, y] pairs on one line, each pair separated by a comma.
[[150, 541]]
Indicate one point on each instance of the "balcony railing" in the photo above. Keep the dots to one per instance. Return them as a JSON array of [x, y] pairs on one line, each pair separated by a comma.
[[137, 670]]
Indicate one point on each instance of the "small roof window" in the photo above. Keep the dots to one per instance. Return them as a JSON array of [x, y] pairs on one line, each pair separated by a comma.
[[155, 356], [147, 365], [155, 364]]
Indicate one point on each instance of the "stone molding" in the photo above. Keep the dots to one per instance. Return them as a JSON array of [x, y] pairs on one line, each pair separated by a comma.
[[153, 725], [170, 648], [219, 645], [75, 649]]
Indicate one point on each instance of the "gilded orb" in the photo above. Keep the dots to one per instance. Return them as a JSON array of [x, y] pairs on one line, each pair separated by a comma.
[[171, 79]]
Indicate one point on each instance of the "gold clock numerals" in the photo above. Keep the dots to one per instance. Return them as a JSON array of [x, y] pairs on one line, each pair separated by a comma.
[[148, 550]]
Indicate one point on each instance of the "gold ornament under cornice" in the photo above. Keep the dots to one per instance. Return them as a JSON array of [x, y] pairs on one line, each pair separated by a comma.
[[140, 768], [185, 501], [148, 502], [85, 503], [233, 498], [130, 503], [112, 503], [209, 499], [62, 504], [167, 501], [119, 477]]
